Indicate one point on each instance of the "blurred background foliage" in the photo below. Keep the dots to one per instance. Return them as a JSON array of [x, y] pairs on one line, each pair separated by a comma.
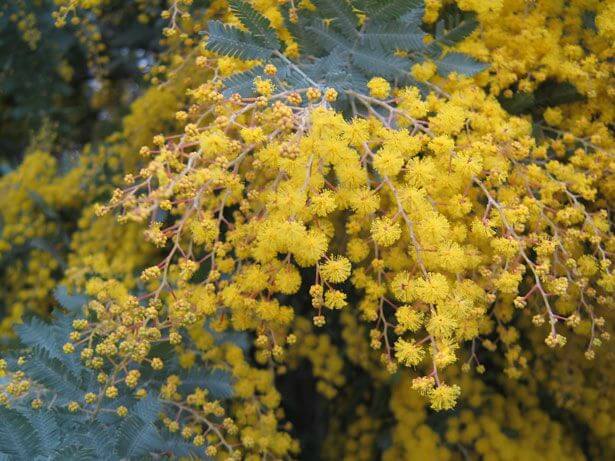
[[76, 81]]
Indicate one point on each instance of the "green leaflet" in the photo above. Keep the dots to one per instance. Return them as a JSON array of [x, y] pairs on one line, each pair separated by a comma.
[[378, 62], [53, 374], [459, 63], [337, 51], [217, 382], [18, 439], [136, 437], [394, 36], [390, 9], [74, 453], [230, 41], [341, 15], [72, 303], [258, 25], [451, 30], [45, 424]]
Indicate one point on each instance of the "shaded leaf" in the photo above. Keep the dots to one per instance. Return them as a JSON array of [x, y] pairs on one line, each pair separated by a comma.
[[343, 18], [72, 303], [17, 436], [230, 41], [136, 437], [459, 63], [391, 9], [258, 25], [394, 36]]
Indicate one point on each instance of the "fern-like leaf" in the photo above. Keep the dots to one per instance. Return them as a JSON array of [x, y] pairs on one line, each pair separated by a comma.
[[390, 9], [413, 17], [394, 36], [217, 382], [46, 426], [242, 83], [136, 437], [74, 453], [459, 63], [341, 15], [34, 332], [148, 408], [18, 439], [327, 37], [72, 303], [377, 62], [454, 34], [230, 41], [53, 374], [258, 25]]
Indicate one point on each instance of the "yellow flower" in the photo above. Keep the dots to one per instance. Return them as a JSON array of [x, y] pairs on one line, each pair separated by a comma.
[[444, 397], [335, 270], [408, 352], [385, 232], [379, 88]]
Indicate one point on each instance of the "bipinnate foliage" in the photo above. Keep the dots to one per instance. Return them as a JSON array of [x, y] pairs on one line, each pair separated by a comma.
[[338, 50], [51, 431]]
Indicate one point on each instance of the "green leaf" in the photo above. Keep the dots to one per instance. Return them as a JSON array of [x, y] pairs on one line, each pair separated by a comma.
[[18, 438], [341, 14], [256, 23], [53, 374], [183, 449], [328, 38], [148, 408], [45, 424], [390, 9], [589, 20], [394, 36], [44, 207], [555, 93], [414, 17], [72, 303], [242, 82], [217, 382], [74, 453], [459, 63], [230, 41], [136, 437], [93, 435], [519, 103], [299, 31], [452, 35], [34, 332], [377, 62]]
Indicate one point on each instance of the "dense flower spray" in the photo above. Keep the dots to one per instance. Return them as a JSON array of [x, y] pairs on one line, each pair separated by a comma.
[[418, 232]]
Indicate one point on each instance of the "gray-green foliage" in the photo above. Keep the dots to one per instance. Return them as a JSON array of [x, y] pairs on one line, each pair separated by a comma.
[[54, 433], [340, 51]]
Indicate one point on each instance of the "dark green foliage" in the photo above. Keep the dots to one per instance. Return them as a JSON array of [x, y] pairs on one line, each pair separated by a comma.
[[35, 93], [336, 51], [548, 94]]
